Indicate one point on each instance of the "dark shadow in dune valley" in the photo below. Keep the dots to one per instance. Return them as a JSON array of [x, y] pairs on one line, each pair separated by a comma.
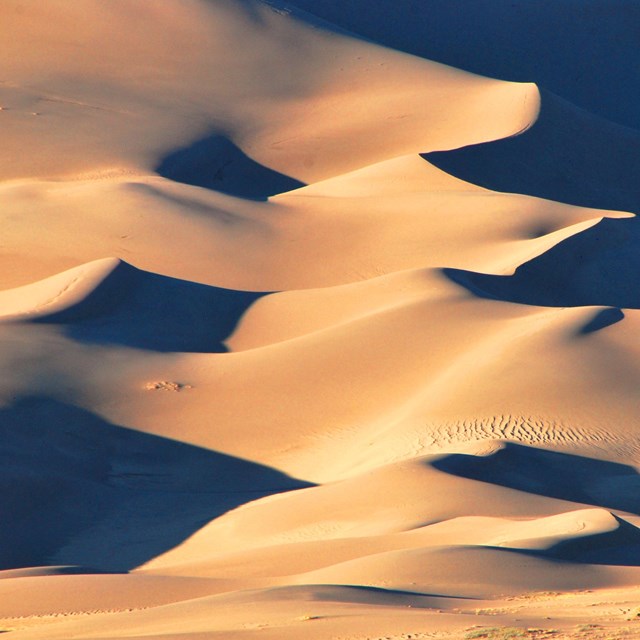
[[145, 310], [78, 490], [550, 473], [215, 162], [597, 267]]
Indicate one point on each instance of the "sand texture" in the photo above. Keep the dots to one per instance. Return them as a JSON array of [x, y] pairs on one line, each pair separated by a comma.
[[319, 320]]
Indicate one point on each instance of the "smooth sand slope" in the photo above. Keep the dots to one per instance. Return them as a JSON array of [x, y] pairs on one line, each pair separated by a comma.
[[583, 51], [266, 371]]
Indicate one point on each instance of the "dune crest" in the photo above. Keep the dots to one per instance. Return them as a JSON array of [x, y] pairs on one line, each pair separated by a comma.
[[363, 362], [56, 293]]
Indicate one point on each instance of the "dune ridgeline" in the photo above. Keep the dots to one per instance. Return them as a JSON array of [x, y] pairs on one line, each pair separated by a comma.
[[319, 320]]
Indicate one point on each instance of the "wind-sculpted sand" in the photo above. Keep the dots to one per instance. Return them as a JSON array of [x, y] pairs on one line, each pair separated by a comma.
[[304, 336]]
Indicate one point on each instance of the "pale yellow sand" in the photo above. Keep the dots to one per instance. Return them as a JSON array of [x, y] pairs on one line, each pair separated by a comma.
[[295, 417]]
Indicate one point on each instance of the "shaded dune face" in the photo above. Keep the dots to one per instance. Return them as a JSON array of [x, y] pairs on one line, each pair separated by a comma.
[[214, 162], [597, 267], [550, 473], [364, 363], [81, 491], [568, 155], [143, 310], [570, 478]]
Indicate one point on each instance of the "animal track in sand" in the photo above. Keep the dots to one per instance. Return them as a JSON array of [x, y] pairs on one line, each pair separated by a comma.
[[166, 385]]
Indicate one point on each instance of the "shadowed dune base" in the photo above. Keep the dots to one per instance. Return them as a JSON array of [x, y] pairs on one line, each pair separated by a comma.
[[214, 162], [144, 310], [620, 547], [597, 267], [564, 477], [547, 506], [550, 473], [77, 490], [568, 155], [334, 444]]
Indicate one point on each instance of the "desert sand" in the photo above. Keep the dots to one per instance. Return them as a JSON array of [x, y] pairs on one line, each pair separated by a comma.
[[305, 334]]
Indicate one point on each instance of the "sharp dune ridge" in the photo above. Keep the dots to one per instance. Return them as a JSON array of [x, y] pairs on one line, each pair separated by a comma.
[[307, 330]]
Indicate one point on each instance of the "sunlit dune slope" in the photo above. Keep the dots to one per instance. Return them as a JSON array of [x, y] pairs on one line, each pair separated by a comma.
[[340, 103], [267, 371]]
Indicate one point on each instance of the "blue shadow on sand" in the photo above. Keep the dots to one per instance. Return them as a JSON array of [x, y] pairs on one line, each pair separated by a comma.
[[563, 476], [144, 310], [596, 267], [568, 155], [78, 490], [216, 163]]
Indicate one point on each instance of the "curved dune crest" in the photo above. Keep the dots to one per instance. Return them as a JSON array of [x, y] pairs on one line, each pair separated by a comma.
[[423, 503], [352, 87], [324, 387], [57, 293], [567, 155], [471, 572]]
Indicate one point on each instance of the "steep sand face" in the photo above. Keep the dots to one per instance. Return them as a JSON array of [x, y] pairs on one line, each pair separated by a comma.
[[265, 370]]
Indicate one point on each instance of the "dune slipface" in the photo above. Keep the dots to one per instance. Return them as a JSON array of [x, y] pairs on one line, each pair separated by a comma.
[[306, 334]]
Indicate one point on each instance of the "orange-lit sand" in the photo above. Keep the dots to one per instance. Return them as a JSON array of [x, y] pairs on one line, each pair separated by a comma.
[[265, 372]]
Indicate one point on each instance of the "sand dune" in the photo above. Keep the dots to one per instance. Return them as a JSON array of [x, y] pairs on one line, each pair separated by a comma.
[[56, 294], [569, 48], [305, 336], [123, 123], [303, 239], [568, 155]]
